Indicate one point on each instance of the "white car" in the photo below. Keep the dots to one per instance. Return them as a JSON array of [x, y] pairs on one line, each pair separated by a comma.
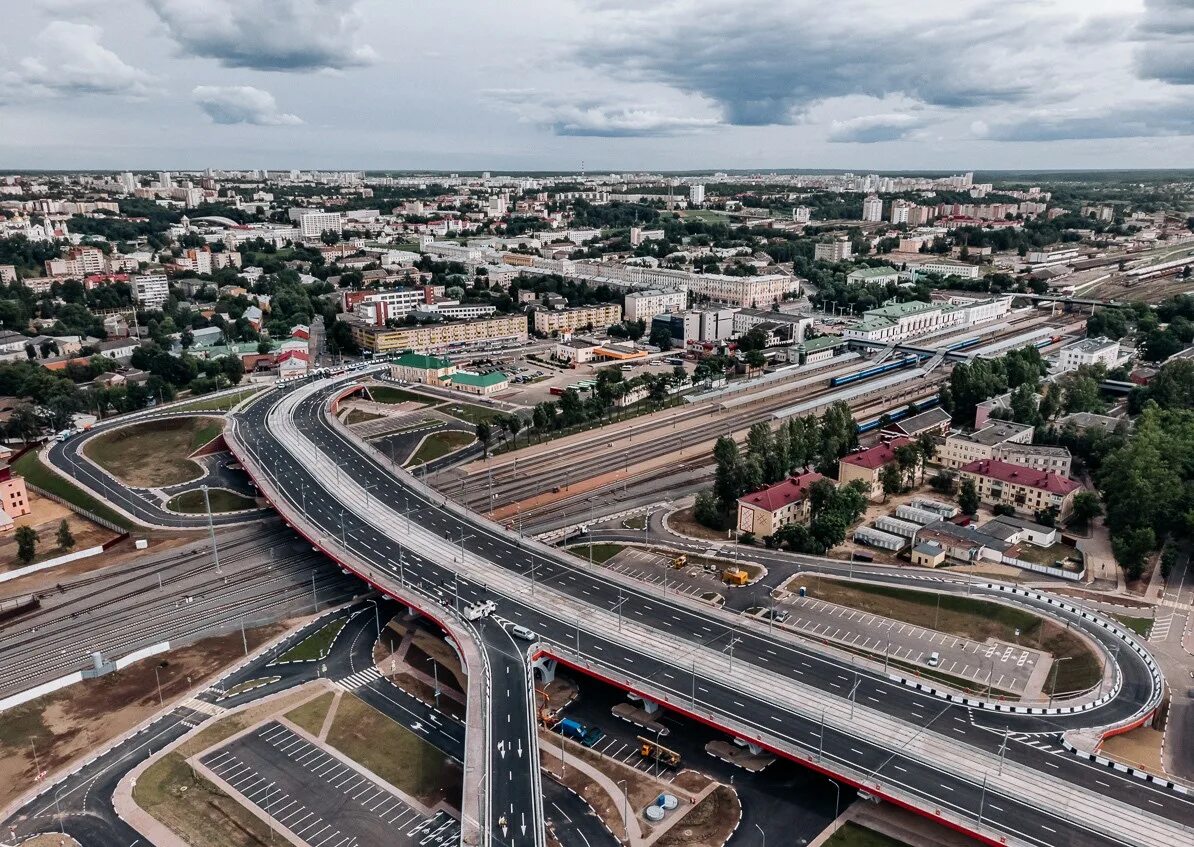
[[522, 632]]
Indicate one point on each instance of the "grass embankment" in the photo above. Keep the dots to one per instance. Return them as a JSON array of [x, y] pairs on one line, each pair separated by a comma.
[[472, 414], [853, 835], [394, 396], [967, 617], [602, 551], [394, 753], [356, 416], [311, 715], [440, 444], [153, 453], [212, 403], [222, 500], [1140, 626], [36, 473], [315, 646]]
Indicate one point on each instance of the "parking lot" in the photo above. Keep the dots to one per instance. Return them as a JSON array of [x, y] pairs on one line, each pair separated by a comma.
[[1010, 667], [323, 799], [657, 569]]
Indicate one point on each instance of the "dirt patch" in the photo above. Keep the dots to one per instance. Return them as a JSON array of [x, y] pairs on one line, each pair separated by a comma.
[[69, 723], [154, 453], [44, 518], [1140, 747], [683, 522], [690, 780], [1110, 599], [437, 649], [118, 554], [710, 822]]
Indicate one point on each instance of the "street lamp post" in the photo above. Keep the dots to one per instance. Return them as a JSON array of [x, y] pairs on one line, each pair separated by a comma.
[[158, 680], [211, 528], [1053, 687], [762, 834], [837, 798], [625, 808]]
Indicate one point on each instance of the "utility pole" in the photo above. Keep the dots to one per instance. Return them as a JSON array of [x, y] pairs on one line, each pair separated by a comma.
[[982, 799], [314, 596], [211, 528]]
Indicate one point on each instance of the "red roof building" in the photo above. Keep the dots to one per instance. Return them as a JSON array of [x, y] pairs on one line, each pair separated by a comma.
[[1026, 490], [766, 510], [867, 466]]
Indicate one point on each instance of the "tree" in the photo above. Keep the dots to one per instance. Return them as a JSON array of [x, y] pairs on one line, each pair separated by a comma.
[[484, 434], [968, 498], [1132, 548], [927, 447], [892, 479], [514, 426], [1086, 508], [706, 512], [728, 479], [661, 336], [66, 541], [1003, 509], [26, 543], [755, 359]]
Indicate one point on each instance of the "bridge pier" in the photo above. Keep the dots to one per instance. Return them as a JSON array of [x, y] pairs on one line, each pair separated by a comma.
[[546, 669], [649, 706]]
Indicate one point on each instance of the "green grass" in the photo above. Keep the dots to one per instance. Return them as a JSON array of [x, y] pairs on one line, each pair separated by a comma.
[[1140, 626], [1048, 556], [315, 646], [602, 551], [392, 396], [36, 473], [222, 500], [310, 716], [853, 835], [212, 404], [393, 752], [472, 414], [356, 416], [440, 444], [153, 453]]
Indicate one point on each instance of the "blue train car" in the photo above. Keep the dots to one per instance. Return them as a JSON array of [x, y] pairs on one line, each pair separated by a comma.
[[875, 371], [899, 414]]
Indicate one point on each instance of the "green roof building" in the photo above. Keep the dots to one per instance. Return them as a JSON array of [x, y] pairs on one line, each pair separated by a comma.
[[473, 383]]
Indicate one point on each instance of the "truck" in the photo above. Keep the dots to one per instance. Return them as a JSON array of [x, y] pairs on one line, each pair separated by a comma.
[[656, 752], [679, 561], [735, 576], [476, 611], [577, 731]]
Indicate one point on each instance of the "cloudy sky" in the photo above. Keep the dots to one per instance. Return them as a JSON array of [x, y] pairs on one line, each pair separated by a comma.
[[615, 84]]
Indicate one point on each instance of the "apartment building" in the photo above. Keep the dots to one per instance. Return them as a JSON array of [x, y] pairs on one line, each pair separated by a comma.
[[1036, 456], [753, 292], [964, 448], [775, 506], [14, 498], [439, 337], [582, 317], [834, 251], [644, 305], [151, 290], [872, 209], [316, 223], [78, 262], [1089, 351], [867, 466], [1026, 490]]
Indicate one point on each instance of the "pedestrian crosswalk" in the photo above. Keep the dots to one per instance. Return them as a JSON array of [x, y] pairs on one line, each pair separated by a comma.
[[356, 680], [1160, 630], [197, 705]]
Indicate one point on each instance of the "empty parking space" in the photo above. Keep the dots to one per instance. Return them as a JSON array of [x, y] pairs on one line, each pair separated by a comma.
[[319, 797]]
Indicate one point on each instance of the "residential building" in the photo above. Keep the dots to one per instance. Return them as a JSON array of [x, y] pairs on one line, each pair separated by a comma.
[[1039, 457], [8, 274], [438, 337], [313, 224], [696, 195], [873, 276], [867, 466], [1089, 351], [421, 368], [777, 505], [798, 325], [117, 348], [151, 290], [481, 384], [748, 291], [963, 448], [78, 262], [14, 497], [1026, 490], [802, 214], [949, 267], [834, 251], [872, 209], [581, 317], [645, 305]]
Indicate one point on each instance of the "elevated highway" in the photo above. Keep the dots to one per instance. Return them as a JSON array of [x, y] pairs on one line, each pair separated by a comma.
[[945, 758]]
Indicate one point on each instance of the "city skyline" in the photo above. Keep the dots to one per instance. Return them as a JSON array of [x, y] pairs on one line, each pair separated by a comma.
[[682, 86]]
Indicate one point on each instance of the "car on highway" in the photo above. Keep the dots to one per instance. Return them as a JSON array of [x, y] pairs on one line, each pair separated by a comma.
[[522, 632]]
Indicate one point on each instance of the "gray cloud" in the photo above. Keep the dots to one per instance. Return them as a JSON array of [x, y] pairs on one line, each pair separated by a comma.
[[241, 104], [1167, 34], [69, 59], [595, 117], [268, 35], [1144, 120], [763, 62], [870, 129]]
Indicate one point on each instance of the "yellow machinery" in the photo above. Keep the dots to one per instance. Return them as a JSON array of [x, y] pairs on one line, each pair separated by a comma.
[[679, 561], [734, 576], [656, 752]]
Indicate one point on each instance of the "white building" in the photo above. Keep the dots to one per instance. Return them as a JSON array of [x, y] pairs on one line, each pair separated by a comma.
[[751, 291], [878, 276], [151, 290], [802, 214], [833, 251], [872, 209], [1089, 351], [696, 194], [949, 267], [315, 224], [644, 305]]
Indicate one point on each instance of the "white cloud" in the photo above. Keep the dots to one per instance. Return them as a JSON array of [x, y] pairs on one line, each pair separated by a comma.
[[593, 116], [241, 104], [869, 129], [70, 60], [269, 35]]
